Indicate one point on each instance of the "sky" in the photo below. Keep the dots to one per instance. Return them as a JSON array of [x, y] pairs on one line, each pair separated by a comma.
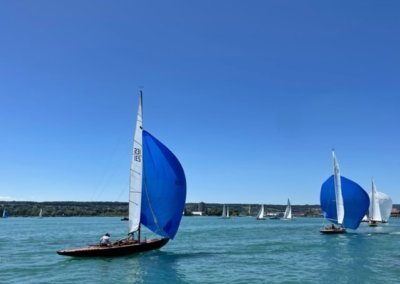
[[251, 96]]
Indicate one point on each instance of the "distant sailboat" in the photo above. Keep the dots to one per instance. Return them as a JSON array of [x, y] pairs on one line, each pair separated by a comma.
[[5, 213], [380, 206], [157, 194], [374, 208], [40, 213], [288, 212], [225, 212], [260, 214], [343, 202]]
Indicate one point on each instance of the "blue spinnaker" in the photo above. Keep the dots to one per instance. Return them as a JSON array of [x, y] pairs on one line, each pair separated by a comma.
[[163, 188], [355, 201]]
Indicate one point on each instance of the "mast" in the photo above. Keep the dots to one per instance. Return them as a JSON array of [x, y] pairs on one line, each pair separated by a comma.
[[338, 190], [136, 172]]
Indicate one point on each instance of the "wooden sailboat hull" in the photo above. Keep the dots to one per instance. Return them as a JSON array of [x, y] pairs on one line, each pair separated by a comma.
[[333, 231], [116, 249]]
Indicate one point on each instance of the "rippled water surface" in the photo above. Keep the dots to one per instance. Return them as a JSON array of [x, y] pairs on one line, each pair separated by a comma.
[[205, 250]]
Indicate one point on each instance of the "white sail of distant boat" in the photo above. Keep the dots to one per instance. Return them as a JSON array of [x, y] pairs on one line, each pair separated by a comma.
[[385, 204], [40, 213], [260, 214], [5, 213], [374, 208], [365, 218], [288, 212], [225, 212]]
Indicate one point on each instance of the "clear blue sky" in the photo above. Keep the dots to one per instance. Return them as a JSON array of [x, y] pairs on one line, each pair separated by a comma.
[[250, 95]]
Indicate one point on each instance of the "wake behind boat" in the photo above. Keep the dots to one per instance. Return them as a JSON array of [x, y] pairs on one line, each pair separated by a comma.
[[343, 202], [157, 195]]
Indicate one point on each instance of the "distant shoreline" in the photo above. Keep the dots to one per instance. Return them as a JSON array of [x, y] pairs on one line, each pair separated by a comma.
[[120, 209]]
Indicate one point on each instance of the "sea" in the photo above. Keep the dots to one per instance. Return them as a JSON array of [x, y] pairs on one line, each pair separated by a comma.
[[205, 250]]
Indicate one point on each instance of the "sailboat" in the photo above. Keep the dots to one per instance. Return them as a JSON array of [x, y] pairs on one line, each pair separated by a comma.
[[380, 206], [40, 213], [288, 212], [225, 212], [5, 213], [260, 214], [374, 208], [157, 195], [343, 202]]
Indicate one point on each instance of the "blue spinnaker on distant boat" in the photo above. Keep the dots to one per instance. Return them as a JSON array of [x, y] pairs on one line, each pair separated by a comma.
[[163, 188], [355, 200]]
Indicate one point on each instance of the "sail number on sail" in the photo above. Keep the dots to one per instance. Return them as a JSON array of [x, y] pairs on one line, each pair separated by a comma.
[[137, 155]]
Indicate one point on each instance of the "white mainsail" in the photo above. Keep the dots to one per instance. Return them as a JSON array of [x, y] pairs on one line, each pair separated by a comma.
[[135, 187], [223, 211], [227, 211], [338, 190], [374, 208], [288, 211], [40, 213], [260, 214]]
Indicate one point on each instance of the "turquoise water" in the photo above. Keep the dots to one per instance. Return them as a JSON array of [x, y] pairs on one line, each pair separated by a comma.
[[205, 250]]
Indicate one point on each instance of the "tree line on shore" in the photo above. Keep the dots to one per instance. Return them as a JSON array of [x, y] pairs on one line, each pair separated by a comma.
[[74, 208], [120, 209]]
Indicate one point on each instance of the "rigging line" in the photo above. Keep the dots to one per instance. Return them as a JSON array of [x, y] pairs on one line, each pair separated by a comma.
[[136, 172], [108, 168], [151, 207]]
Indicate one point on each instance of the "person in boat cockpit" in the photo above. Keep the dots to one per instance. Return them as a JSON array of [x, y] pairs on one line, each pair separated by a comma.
[[105, 240]]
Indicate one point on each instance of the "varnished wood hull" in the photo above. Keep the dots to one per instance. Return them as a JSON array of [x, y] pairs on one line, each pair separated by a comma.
[[333, 231], [117, 249]]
